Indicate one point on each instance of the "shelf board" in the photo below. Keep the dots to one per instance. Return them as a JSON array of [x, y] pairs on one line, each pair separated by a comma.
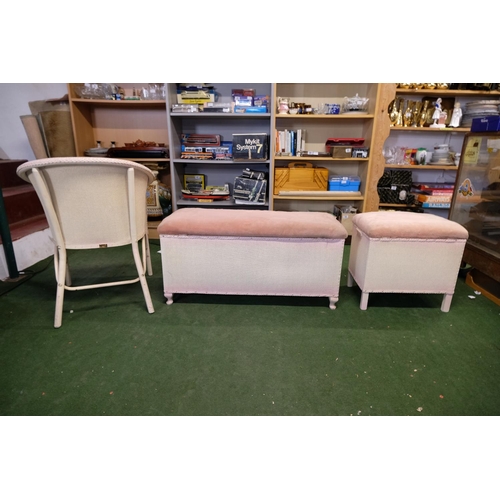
[[325, 117], [316, 158], [221, 115], [222, 162], [398, 205], [452, 93], [318, 198], [140, 160], [120, 103], [422, 167], [433, 130], [219, 203]]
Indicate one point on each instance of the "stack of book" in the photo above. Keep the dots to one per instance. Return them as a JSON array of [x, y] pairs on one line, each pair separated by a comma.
[[436, 195], [290, 142]]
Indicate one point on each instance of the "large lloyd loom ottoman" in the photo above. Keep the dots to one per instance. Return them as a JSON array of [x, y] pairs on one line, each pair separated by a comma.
[[405, 252], [251, 252]]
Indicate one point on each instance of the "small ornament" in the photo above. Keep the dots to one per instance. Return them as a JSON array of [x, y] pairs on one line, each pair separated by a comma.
[[439, 116], [456, 116]]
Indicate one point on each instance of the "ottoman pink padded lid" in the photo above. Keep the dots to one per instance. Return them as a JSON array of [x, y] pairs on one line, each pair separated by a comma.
[[408, 225], [252, 223]]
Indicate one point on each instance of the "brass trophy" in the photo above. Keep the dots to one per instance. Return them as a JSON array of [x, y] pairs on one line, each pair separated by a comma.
[[394, 112], [423, 114], [417, 106], [408, 114]]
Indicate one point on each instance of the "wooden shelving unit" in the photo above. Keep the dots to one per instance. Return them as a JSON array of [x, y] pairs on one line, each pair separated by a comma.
[[217, 172], [121, 121], [416, 137], [372, 126]]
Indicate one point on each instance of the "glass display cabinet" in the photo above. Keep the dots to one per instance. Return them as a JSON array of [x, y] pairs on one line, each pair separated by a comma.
[[476, 205]]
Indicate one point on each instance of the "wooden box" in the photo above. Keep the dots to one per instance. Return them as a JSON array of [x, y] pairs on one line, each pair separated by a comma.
[[300, 177]]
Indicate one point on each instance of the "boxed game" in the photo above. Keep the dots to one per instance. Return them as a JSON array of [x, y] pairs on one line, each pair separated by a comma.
[[250, 109], [253, 174], [250, 147], [240, 100], [250, 190], [194, 182], [262, 100], [360, 152]]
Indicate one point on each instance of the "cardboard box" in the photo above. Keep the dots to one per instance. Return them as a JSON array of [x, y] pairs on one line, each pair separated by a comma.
[[344, 214], [341, 151], [250, 147], [250, 190]]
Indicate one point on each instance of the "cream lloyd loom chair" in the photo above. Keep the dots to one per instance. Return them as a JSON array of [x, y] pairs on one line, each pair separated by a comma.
[[92, 203]]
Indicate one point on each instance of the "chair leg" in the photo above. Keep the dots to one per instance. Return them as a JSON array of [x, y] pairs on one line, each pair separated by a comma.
[[147, 251], [142, 277], [68, 275], [61, 265]]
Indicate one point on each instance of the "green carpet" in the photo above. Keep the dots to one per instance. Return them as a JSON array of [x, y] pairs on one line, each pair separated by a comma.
[[240, 355]]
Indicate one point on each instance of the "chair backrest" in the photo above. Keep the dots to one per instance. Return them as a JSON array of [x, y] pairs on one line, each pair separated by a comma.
[[91, 202]]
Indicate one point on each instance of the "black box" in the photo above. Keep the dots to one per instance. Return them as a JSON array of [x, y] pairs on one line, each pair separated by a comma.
[[394, 187], [250, 190], [250, 147]]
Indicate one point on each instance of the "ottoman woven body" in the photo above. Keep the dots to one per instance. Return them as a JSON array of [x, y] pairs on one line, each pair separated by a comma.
[[405, 252]]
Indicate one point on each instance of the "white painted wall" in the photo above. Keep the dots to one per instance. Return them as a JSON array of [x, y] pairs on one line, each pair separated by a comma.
[[14, 145]]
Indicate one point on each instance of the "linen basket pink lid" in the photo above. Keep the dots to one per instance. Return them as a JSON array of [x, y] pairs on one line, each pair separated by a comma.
[[405, 252]]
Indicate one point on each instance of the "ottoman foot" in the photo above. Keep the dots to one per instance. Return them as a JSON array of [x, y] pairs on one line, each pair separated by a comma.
[[170, 298], [363, 305], [445, 305], [333, 301], [350, 279]]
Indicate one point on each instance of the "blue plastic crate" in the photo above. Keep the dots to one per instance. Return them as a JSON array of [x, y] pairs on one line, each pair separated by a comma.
[[348, 183]]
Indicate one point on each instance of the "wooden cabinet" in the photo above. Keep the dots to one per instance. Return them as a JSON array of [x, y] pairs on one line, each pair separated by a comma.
[[122, 121], [403, 137], [216, 172], [320, 127]]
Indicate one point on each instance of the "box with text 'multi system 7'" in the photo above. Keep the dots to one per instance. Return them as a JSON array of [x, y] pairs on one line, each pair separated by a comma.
[[250, 147]]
